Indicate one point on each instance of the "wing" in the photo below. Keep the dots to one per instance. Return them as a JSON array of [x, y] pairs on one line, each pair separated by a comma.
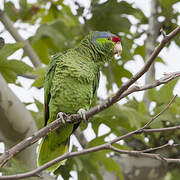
[[48, 83], [96, 84]]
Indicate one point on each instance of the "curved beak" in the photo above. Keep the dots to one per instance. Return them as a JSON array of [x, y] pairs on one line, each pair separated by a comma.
[[118, 48]]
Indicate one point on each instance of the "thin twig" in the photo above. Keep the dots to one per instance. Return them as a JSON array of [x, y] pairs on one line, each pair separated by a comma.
[[160, 147], [161, 129], [156, 116], [155, 148], [164, 80]]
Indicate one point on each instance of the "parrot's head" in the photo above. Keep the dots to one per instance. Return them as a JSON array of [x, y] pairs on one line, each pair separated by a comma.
[[107, 40], [105, 44]]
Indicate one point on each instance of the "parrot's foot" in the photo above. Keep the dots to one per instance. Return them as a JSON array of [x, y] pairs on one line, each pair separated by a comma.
[[82, 113], [61, 116]]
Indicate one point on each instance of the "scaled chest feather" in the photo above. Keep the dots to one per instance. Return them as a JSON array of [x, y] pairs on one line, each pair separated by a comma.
[[73, 84], [78, 67]]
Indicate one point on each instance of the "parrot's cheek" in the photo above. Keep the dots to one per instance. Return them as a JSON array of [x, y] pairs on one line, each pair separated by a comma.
[[118, 48]]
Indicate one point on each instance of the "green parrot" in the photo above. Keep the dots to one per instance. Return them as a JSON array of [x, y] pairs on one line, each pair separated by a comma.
[[70, 85]]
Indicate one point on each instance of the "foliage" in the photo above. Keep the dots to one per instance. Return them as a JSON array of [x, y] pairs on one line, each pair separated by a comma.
[[12, 167], [10, 69], [60, 29]]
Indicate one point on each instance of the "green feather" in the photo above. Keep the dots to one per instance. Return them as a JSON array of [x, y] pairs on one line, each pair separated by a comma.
[[52, 146], [70, 84]]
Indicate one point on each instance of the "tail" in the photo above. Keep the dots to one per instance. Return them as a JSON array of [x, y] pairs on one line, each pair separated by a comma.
[[50, 148]]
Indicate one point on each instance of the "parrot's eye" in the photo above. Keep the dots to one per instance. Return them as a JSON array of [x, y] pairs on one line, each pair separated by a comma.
[[109, 38]]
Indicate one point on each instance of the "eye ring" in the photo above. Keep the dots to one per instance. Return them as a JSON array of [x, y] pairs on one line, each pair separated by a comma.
[[109, 38]]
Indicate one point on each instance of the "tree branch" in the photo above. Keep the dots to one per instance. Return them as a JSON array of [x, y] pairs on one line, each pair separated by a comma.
[[160, 147], [76, 118], [164, 80], [105, 147]]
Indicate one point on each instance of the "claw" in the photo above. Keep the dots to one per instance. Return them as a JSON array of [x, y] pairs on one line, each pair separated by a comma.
[[82, 112], [61, 116]]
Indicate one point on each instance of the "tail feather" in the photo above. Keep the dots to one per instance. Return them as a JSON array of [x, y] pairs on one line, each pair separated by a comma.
[[48, 151]]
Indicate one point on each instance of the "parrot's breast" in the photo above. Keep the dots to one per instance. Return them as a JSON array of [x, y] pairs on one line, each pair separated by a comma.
[[73, 85]]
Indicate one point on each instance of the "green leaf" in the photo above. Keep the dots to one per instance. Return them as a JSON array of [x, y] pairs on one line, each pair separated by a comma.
[[140, 50], [118, 72], [165, 93], [108, 163], [41, 49], [14, 167], [104, 19], [17, 66], [114, 117], [9, 49], [79, 164], [64, 170], [127, 45], [9, 76], [159, 59], [152, 94], [10, 69], [38, 116], [92, 166], [167, 3], [46, 30], [82, 174], [40, 71], [175, 174], [39, 81], [177, 40], [11, 11], [97, 141], [114, 73], [96, 124], [141, 108], [39, 105]]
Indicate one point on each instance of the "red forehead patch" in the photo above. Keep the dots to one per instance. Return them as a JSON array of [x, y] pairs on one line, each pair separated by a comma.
[[115, 39]]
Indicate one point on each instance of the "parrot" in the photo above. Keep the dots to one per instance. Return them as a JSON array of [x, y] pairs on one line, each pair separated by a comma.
[[70, 85]]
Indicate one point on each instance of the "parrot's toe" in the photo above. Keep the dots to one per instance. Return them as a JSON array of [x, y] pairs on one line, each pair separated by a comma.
[[82, 113], [61, 116]]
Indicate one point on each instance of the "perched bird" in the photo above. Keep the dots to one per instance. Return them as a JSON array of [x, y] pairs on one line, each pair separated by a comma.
[[70, 85]]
